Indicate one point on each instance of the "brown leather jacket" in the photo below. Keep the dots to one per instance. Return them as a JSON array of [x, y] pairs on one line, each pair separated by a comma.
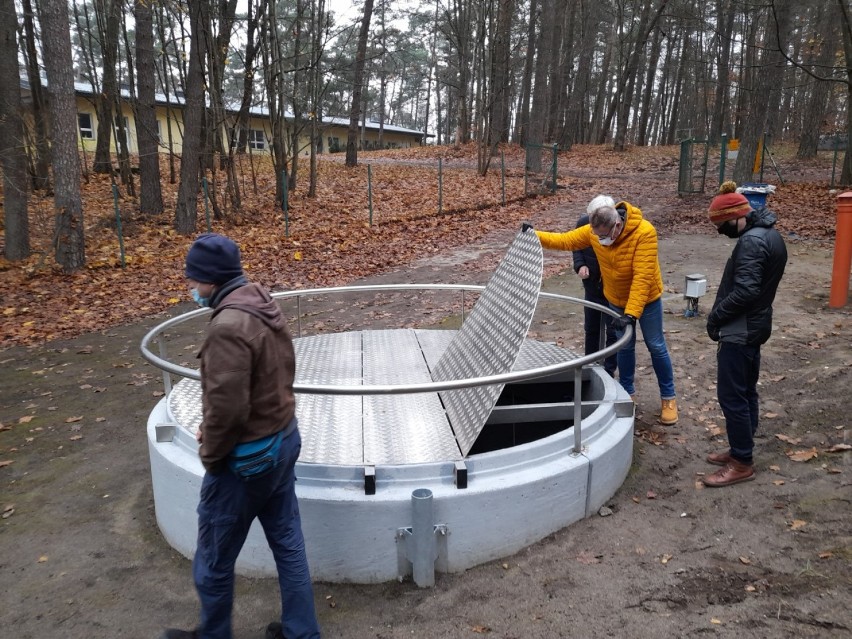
[[247, 371]]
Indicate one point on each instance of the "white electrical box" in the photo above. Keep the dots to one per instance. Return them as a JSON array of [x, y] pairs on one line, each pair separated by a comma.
[[695, 285]]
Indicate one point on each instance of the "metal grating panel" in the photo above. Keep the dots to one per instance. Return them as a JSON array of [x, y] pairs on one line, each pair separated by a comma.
[[184, 405], [330, 425], [402, 429], [490, 339]]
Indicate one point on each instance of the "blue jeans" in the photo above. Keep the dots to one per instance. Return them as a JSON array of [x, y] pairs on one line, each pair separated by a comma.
[[737, 370], [225, 513], [651, 324]]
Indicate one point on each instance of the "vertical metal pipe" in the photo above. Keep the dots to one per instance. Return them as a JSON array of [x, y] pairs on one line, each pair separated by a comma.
[[463, 306], [167, 379], [423, 538], [298, 316], [578, 410]]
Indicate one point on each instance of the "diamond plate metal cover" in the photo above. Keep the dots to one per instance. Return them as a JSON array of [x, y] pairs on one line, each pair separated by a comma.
[[490, 339], [402, 429]]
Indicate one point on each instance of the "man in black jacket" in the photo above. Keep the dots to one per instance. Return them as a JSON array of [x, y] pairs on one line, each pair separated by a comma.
[[741, 321]]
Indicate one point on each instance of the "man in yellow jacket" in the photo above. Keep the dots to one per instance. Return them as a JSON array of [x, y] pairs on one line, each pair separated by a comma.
[[626, 247]]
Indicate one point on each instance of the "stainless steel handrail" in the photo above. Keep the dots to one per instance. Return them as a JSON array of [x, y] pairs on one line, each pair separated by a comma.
[[391, 389]]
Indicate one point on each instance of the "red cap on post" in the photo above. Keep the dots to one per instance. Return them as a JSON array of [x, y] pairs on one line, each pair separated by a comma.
[[842, 252]]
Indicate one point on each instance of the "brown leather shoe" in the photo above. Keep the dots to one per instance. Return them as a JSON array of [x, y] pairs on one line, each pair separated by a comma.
[[668, 412], [733, 473], [720, 459]]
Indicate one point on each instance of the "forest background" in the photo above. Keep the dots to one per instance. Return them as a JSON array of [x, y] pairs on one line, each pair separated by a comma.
[[538, 74]]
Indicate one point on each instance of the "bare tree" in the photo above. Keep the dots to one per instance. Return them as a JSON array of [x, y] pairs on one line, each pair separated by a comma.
[[186, 211], [13, 157], [69, 239], [41, 164], [357, 86], [147, 133]]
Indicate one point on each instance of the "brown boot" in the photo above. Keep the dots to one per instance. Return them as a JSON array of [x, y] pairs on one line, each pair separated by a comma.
[[733, 473], [720, 459], [668, 413]]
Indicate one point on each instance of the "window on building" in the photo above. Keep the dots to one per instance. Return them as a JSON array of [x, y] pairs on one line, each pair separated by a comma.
[[257, 139], [333, 145], [84, 121]]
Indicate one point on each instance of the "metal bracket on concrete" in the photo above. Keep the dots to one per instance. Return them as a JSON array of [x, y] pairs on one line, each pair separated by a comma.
[[460, 474], [369, 480], [164, 432], [417, 545]]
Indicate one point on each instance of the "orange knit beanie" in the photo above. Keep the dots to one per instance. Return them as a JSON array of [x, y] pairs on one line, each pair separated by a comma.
[[729, 204]]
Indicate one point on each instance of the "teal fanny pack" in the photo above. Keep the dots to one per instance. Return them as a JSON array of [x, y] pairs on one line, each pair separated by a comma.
[[251, 460]]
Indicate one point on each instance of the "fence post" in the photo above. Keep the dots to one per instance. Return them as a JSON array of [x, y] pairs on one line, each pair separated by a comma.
[[503, 175], [285, 204], [553, 168], [206, 205], [723, 159], [440, 186], [118, 224], [842, 252], [370, 191]]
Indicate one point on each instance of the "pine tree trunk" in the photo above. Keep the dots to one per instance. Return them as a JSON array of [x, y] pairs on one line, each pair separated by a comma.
[[69, 240], [151, 195], [355, 109]]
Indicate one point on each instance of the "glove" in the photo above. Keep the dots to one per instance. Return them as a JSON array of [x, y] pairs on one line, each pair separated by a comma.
[[620, 323], [526, 226]]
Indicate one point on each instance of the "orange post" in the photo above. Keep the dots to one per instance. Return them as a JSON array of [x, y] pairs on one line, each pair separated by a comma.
[[842, 252]]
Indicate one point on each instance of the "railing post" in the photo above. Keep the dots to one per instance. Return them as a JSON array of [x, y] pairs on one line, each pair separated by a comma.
[[425, 548], [578, 410]]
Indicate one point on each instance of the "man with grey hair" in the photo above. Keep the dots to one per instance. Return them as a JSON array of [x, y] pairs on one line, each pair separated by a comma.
[[626, 247]]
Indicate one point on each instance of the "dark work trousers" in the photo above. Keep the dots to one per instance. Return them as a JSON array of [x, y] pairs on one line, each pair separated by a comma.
[[227, 508], [592, 326], [738, 367]]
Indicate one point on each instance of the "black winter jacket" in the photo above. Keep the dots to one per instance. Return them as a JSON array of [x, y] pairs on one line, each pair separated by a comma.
[[593, 285], [742, 312]]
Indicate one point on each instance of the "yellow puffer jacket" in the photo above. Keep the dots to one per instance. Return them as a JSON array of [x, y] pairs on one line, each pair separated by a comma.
[[630, 268]]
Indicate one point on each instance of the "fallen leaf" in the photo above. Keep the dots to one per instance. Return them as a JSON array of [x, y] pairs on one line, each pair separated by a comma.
[[6, 462], [505, 566], [71, 420], [798, 523], [715, 621], [802, 455], [745, 560], [481, 630], [651, 494], [826, 555], [666, 559], [26, 419], [100, 419], [838, 448], [770, 415], [636, 499], [74, 438], [778, 482], [42, 559], [775, 468], [789, 440], [750, 588]]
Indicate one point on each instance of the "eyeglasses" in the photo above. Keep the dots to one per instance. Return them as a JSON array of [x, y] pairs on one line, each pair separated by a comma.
[[608, 234]]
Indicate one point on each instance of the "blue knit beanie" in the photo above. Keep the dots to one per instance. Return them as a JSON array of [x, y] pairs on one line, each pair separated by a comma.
[[213, 259]]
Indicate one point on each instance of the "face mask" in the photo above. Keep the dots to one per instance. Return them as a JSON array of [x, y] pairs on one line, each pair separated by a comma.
[[729, 229], [201, 301], [608, 241]]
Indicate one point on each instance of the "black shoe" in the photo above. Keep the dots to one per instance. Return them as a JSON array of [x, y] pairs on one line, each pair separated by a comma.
[[174, 633], [273, 631]]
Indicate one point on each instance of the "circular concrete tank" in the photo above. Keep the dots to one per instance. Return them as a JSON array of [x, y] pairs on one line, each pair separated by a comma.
[[377, 448]]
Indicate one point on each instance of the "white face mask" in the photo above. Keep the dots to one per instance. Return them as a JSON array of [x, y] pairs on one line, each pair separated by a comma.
[[607, 241]]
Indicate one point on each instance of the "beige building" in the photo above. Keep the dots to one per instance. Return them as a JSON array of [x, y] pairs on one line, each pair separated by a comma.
[[170, 127]]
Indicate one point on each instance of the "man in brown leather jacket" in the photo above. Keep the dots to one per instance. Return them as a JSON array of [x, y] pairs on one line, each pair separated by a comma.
[[249, 442]]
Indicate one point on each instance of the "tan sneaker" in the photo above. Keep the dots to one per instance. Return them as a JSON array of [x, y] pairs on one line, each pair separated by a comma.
[[668, 413]]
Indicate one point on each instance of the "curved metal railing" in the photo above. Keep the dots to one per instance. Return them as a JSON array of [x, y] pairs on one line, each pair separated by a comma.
[[576, 364]]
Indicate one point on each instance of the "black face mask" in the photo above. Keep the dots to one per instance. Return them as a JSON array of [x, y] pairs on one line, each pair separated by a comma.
[[729, 229]]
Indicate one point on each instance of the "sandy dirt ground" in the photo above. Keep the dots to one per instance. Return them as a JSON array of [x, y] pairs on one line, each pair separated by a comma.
[[81, 555]]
